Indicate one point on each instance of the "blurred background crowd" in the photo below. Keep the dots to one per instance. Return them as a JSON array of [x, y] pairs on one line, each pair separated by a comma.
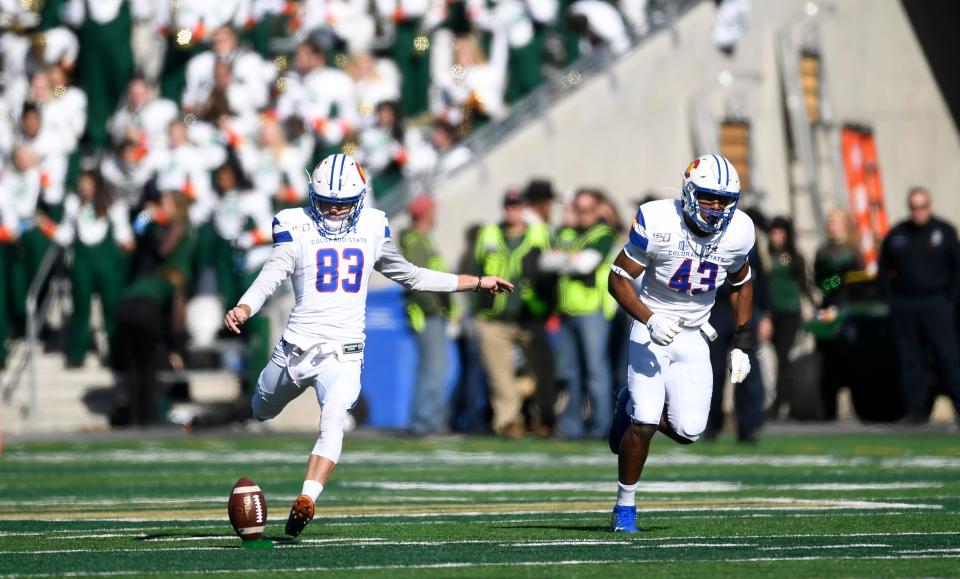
[[152, 142], [824, 323]]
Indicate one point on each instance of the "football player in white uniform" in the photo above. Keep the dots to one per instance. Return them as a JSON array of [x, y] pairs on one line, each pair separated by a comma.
[[687, 248], [330, 249]]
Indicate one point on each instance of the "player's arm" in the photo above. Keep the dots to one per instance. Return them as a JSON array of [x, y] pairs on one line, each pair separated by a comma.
[[744, 338], [278, 267], [741, 295], [394, 266], [620, 285]]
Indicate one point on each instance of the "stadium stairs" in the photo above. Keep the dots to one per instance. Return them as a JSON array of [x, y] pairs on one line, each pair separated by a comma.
[[67, 401], [628, 127]]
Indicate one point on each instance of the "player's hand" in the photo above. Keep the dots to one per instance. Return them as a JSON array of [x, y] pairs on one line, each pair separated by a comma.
[[739, 365], [236, 318], [662, 329], [496, 285]]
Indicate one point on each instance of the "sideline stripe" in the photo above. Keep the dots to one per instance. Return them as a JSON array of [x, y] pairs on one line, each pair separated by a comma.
[[477, 564]]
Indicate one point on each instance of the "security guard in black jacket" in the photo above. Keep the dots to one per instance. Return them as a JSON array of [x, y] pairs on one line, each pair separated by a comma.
[[920, 274]]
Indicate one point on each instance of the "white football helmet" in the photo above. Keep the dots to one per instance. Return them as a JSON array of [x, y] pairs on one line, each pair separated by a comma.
[[716, 177], [340, 180]]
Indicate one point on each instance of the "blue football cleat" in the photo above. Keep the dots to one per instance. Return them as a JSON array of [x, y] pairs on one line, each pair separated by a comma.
[[624, 520], [621, 420]]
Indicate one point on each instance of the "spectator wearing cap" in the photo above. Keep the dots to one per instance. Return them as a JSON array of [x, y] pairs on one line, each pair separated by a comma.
[[427, 313], [585, 249], [920, 274], [511, 249], [539, 196]]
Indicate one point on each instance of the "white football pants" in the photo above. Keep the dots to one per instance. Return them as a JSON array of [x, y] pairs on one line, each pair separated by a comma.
[[678, 375], [332, 379]]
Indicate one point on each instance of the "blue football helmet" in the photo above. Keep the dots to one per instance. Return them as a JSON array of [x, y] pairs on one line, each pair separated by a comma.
[[714, 176], [338, 180]]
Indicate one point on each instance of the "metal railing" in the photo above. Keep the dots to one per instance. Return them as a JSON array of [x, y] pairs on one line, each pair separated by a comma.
[[810, 154], [36, 315], [533, 107]]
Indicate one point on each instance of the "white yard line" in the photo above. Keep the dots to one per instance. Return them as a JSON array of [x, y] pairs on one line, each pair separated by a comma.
[[818, 547], [856, 486], [439, 458], [601, 487], [685, 545]]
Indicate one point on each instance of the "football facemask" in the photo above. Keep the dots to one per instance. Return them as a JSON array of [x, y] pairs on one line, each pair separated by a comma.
[[337, 188], [711, 192]]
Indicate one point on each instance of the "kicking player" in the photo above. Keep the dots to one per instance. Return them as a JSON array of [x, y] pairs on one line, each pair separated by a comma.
[[330, 248], [688, 248]]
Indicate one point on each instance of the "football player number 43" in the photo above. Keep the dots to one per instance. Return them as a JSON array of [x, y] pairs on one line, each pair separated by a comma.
[[708, 277], [328, 269]]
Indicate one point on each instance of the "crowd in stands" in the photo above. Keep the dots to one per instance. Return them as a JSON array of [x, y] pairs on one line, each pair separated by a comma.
[[155, 139]]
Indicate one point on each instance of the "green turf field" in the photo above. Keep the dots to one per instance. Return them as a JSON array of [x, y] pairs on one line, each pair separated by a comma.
[[792, 506]]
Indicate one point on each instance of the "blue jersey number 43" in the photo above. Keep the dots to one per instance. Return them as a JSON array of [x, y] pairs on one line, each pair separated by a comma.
[[680, 280]]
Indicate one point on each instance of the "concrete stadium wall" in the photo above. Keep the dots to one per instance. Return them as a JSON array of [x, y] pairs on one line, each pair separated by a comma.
[[629, 130]]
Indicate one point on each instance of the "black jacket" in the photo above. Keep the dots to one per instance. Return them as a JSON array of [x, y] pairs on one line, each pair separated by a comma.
[[918, 261]]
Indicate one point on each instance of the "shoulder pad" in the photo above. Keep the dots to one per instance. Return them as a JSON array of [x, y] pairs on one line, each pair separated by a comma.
[[290, 223]]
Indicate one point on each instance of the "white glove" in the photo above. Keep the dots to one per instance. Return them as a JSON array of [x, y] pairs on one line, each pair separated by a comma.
[[662, 329], [739, 366]]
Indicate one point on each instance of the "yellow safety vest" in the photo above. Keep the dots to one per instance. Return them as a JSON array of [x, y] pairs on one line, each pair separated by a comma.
[[578, 298], [495, 258]]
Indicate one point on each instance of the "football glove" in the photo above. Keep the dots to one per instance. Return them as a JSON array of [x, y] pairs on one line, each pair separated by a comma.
[[662, 329], [739, 365]]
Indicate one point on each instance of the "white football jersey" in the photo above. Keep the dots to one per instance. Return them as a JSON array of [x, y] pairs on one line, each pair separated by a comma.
[[683, 271], [330, 277]]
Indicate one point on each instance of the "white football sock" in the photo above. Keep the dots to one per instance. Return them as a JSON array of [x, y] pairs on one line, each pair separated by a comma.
[[312, 488], [626, 493]]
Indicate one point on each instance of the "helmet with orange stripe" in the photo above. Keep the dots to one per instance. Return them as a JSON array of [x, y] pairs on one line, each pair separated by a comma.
[[337, 188], [710, 192]]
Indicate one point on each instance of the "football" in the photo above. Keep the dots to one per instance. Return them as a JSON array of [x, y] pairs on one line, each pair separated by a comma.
[[247, 509]]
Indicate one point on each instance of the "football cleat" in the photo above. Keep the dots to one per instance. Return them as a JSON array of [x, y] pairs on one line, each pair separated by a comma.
[[624, 520], [301, 513], [621, 420]]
